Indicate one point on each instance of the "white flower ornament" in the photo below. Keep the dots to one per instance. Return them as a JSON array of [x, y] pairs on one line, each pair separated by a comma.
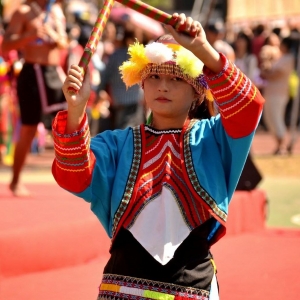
[[158, 53]]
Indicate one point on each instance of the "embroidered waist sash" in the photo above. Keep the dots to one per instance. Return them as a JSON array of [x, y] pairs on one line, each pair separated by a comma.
[[124, 287]]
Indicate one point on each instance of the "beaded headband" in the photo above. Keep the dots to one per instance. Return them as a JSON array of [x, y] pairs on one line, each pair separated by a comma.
[[164, 57]]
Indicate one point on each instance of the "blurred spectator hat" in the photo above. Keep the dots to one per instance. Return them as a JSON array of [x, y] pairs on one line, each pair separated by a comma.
[[216, 27]]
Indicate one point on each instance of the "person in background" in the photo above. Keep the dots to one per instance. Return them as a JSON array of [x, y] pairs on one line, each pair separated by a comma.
[[270, 51], [258, 40], [215, 33], [294, 81], [73, 55], [276, 92], [40, 36], [245, 60], [126, 106], [100, 114], [109, 39], [74, 50], [3, 71], [10, 66], [162, 189]]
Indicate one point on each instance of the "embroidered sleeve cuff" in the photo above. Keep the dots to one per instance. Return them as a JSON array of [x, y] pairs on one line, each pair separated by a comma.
[[73, 159], [210, 75], [238, 100]]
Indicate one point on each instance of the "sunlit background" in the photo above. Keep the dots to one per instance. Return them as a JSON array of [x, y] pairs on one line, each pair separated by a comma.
[[50, 245]]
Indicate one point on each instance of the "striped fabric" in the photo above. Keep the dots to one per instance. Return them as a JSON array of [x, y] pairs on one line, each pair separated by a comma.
[[72, 153], [163, 167], [125, 287], [240, 105], [234, 94]]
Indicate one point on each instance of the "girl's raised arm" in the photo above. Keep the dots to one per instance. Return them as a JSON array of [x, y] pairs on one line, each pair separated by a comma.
[[192, 36], [77, 100]]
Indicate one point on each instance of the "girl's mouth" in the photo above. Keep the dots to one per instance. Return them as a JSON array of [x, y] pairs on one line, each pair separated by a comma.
[[162, 99]]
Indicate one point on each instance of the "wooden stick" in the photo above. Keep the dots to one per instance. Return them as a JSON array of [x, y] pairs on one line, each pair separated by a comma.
[[151, 12], [95, 37]]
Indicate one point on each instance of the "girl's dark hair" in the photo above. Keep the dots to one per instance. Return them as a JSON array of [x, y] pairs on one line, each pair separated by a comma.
[[202, 108], [287, 42], [167, 37], [259, 29]]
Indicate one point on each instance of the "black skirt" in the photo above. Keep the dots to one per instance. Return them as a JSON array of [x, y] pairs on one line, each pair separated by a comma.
[[191, 269], [29, 96]]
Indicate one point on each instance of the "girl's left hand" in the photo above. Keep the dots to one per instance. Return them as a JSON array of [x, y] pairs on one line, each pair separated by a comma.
[[191, 35], [187, 32]]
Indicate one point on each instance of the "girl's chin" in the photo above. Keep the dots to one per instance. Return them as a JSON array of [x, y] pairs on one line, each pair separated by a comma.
[[163, 114]]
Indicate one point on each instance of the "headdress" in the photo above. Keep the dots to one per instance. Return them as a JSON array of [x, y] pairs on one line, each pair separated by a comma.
[[165, 56]]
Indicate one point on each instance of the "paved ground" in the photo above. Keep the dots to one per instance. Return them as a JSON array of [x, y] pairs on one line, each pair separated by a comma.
[[264, 143]]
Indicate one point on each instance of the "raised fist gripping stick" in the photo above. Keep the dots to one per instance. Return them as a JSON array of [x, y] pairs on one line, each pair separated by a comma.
[[151, 12]]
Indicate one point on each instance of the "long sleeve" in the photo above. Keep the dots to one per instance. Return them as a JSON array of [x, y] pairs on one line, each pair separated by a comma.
[[74, 162], [238, 100], [219, 146], [91, 168]]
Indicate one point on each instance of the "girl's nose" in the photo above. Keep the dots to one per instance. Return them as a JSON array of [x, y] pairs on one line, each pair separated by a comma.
[[163, 85]]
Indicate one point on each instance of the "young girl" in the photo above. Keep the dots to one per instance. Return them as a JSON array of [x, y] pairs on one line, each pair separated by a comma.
[[161, 190]]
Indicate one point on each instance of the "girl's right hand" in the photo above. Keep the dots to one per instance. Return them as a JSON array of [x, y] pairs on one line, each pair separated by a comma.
[[76, 88]]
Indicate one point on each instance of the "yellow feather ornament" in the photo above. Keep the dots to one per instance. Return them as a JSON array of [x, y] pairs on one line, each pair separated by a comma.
[[130, 73], [188, 62], [130, 70]]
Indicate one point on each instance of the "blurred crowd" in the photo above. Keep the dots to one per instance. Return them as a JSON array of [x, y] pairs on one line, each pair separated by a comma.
[[266, 54]]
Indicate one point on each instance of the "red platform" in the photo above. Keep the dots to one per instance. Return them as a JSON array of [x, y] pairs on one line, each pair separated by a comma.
[[53, 247], [52, 229]]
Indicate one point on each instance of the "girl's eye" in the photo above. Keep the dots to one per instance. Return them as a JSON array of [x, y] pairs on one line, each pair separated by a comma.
[[154, 76], [177, 79]]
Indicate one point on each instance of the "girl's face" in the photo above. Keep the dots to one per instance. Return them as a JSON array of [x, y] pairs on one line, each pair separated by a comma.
[[169, 98]]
